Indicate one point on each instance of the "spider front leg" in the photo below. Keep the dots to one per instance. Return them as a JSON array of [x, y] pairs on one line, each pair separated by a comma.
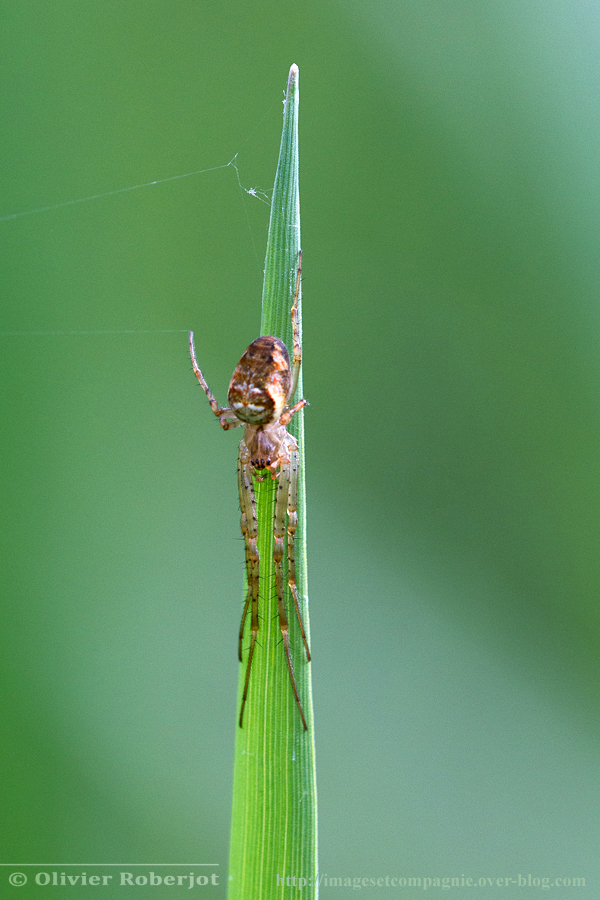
[[249, 524], [288, 473], [297, 359]]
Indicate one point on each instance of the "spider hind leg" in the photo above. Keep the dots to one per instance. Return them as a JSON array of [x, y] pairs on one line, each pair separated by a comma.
[[291, 541], [287, 485], [249, 525]]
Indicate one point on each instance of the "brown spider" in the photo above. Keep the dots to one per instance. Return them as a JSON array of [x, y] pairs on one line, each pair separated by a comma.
[[259, 392]]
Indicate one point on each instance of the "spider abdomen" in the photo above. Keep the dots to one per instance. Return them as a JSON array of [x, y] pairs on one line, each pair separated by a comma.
[[261, 383]]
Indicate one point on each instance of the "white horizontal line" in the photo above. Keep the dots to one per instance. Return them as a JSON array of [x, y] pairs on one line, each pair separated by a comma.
[[99, 331], [109, 864]]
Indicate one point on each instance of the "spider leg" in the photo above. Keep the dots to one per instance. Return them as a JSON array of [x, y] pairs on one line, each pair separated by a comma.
[[287, 415], [249, 524], [223, 412], [281, 502], [297, 360], [244, 524], [292, 504], [227, 425]]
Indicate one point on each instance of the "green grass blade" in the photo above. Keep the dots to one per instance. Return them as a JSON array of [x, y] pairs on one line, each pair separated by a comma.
[[274, 818]]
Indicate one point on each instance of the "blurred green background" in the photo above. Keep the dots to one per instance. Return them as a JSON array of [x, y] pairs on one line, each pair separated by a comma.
[[450, 198]]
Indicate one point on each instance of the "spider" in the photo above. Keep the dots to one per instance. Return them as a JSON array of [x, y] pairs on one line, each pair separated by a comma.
[[260, 390]]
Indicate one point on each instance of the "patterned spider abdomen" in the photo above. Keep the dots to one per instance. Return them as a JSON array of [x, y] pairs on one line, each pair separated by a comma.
[[260, 386]]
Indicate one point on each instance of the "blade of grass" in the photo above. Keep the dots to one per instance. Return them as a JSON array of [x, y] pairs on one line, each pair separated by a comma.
[[274, 813]]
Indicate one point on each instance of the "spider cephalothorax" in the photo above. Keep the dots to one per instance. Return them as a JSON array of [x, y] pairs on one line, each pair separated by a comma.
[[261, 387], [265, 446]]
